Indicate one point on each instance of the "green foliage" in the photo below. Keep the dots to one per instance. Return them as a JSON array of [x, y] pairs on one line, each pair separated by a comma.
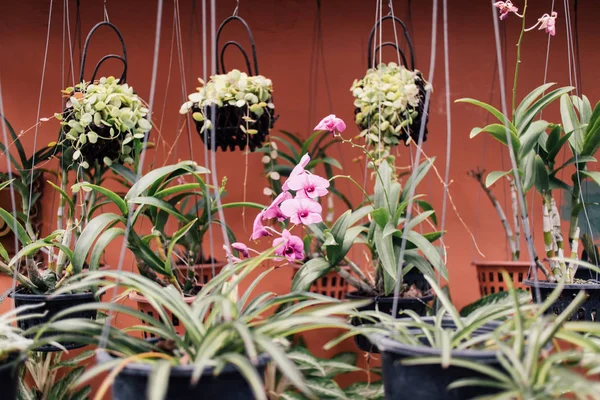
[[99, 113], [220, 327]]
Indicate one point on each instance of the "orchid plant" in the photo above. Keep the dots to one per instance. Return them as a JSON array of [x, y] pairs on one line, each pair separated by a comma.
[[536, 145]]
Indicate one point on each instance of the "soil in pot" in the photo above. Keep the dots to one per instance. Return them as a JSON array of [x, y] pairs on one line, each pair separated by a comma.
[[132, 382], [430, 381], [415, 299], [588, 311], [10, 370], [52, 306]]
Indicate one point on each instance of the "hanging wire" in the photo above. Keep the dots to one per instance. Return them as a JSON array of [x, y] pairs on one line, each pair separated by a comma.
[[521, 199], [448, 128], [409, 207], [13, 202], [571, 54], [106, 19], [213, 111], [37, 118], [237, 6], [106, 328]]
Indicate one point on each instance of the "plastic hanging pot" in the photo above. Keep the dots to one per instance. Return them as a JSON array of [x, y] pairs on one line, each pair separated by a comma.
[[430, 381], [491, 280], [10, 371], [228, 118], [331, 284], [588, 311], [385, 305], [132, 382], [52, 306]]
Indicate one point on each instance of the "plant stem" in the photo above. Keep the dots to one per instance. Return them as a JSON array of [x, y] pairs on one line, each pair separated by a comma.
[[514, 94], [575, 203], [357, 283]]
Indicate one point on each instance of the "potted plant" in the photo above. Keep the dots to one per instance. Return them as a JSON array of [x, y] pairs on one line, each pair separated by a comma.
[[389, 102], [456, 358], [382, 235], [168, 257], [102, 125], [240, 107], [228, 342], [280, 162]]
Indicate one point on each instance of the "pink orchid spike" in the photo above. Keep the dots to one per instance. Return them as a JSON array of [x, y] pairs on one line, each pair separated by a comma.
[[258, 230], [505, 8], [332, 124], [548, 22], [289, 246], [273, 210], [298, 170], [302, 211], [309, 186]]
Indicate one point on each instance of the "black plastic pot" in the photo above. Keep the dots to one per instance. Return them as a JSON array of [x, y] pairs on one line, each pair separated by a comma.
[[10, 370], [228, 134], [52, 306], [385, 306], [589, 309], [430, 381], [132, 382]]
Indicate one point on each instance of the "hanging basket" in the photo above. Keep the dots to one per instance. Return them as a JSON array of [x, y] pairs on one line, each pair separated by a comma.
[[228, 119], [385, 305], [371, 120], [10, 371], [589, 310], [52, 306], [132, 381], [330, 284], [490, 279], [144, 306]]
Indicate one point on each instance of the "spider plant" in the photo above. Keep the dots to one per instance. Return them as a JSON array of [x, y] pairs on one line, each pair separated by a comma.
[[221, 328], [319, 374]]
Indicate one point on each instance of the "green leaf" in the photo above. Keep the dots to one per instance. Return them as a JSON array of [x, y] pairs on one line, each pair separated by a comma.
[[539, 105], [501, 118], [571, 123], [158, 382], [422, 171], [249, 372], [542, 183], [312, 270], [177, 236], [89, 236], [75, 360], [575, 160], [493, 176], [380, 216], [157, 175], [528, 101], [529, 169], [324, 160], [593, 175], [326, 388], [530, 138], [429, 251], [365, 390], [12, 223], [103, 241], [110, 195], [387, 257], [66, 197], [425, 206], [498, 132]]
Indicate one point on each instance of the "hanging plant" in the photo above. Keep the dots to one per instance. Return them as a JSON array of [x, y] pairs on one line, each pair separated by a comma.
[[389, 103], [103, 122], [243, 114]]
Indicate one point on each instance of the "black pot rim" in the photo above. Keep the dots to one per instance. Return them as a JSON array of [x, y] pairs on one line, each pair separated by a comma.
[[570, 286], [390, 299], [50, 297], [143, 369]]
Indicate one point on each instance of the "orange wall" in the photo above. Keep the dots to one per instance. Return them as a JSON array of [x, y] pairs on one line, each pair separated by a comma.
[[283, 33]]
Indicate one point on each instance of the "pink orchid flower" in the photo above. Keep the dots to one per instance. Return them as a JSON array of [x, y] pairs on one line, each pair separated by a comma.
[[331, 123], [302, 211], [309, 186], [548, 22], [298, 170], [242, 248], [273, 210], [258, 230], [233, 259], [505, 8], [289, 246]]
